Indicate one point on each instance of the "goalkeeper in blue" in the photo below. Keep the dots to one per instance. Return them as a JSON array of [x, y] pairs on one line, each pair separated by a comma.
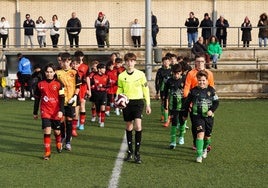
[[204, 101], [173, 101]]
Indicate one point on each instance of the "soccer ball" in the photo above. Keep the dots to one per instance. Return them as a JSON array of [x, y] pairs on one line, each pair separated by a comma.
[[121, 101]]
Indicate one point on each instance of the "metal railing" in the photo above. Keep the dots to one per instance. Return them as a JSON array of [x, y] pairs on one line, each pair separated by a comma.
[[119, 37]]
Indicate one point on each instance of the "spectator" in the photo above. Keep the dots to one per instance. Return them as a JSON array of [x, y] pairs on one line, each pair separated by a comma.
[[200, 48], [102, 27], [263, 29], [155, 29], [206, 25], [135, 33], [192, 23], [4, 26], [221, 32], [41, 29], [24, 75], [73, 29], [246, 28], [28, 26], [214, 50], [54, 31]]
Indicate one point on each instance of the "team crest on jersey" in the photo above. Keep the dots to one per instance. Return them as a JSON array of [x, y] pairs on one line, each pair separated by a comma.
[[54, 87], [208, 93]]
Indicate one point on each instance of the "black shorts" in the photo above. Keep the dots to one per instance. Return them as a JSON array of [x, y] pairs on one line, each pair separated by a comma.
[[69, 111], [54, 124], [100, 98], [203, 124], [133, 110], [176, 117], [92, 97]]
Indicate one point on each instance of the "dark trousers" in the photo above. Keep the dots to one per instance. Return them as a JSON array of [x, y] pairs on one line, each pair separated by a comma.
[[154, 39], [222, 41], [100, 40], [55, 40], [25, 79], [136, 41], [74, 38], [4, 39]]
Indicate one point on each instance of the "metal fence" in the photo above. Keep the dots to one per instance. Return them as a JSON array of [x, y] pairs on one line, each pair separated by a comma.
[[120, 37]]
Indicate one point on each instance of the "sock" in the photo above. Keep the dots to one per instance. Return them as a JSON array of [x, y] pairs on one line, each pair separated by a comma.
[[162, 110], [102, 116], [82, 118], [62, 130], [93, 112], [129, 140], [182, 129], [137, 142], [206, 143], [57, 138], [47, 142], [173, 131], [68, 130], [107, 108], [74, 123], [166, 116], [199, 147]]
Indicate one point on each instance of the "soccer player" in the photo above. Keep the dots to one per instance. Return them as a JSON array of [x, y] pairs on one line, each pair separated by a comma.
[[162, 75], [71, 82], [111, 92], [100, 84], [51, 95], [173, 100], [204, 102], [132, 82], [94, 70], [191, 82], [84, 92]]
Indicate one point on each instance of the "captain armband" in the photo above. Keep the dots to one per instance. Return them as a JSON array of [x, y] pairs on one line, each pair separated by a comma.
[[61, 92]]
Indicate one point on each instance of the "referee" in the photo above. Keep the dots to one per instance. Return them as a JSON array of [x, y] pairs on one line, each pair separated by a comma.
[[132, 82]]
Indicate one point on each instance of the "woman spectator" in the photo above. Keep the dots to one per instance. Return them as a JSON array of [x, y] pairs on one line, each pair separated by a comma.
[[4, 26], [263, 29], [54, 31], [41, 31], [246, 28], [214, 50]]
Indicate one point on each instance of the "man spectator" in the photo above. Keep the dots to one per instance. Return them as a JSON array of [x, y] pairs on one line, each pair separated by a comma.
[[28, 26], [199, 48], [221, 32], [24, 75], [192, 23], [73, 29], [155, 29], [102, 29], [206, 25]]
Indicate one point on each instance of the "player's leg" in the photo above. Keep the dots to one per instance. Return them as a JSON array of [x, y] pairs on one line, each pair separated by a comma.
[[173, 130], [69, 112], [199, 125], [108, 105], [82, 117], [46, 125], [207, 137], [57, 133], [75, 121], [182, 125]]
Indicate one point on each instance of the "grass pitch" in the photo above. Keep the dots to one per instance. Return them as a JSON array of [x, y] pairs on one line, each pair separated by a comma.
[[238, 157]]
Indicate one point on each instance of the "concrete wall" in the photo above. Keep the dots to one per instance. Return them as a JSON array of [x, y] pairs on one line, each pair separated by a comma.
[[121, 13]]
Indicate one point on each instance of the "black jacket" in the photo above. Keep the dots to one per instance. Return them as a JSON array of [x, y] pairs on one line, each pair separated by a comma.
[[28, 27], [73, 26], [206, 25]]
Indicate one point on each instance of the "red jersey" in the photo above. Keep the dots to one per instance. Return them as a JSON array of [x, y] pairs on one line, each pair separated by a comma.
[[83, 72], [49, 94], [100, 82], [120, 69], [113, 75]]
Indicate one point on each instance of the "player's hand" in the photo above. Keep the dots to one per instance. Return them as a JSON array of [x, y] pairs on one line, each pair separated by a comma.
[[210, 113], [35, 117], [60, 114], [88, 93], [148, 110], [72, 100]]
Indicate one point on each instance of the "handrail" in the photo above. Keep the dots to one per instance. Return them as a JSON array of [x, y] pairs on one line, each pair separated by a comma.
[[120, 37]]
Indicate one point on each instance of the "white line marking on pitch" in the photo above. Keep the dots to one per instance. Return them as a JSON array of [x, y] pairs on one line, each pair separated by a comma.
[[118, 164]]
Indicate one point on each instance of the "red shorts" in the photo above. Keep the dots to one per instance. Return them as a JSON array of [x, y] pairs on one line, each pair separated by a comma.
[[83, 91]]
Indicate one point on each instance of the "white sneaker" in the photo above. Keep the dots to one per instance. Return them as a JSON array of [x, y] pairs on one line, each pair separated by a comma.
[[68, 147], [199, 159], [205, 153], [107, 113], [102, 124], [117, 112], [32, 98], [93, 119], [21, 99], [181, 140]]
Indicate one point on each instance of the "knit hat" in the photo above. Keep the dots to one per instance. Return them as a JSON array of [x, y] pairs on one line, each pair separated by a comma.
[[101, 14]]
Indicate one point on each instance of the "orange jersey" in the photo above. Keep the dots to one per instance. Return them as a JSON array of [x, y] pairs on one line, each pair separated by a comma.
[[191, 81], [70, 80]]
